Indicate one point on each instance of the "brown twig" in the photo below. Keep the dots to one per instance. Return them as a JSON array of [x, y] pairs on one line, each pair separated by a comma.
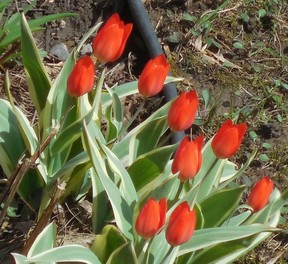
[[22, 167], [44, 219]]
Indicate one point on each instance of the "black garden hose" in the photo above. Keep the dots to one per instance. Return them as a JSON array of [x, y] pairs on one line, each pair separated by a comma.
[[147, 32]]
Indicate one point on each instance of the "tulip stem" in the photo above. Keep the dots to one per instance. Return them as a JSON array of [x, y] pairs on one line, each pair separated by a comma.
[[144, 247], [180, 188], [167, 254]]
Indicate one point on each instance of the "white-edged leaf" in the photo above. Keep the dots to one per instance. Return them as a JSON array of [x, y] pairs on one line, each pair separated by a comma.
[[126, 185], [12, 145], [213, 236], [44, 241], [121, 149], [130, 88], [121, 209], [71, 253]]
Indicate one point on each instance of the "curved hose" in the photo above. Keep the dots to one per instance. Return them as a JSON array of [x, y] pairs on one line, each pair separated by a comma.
[[144, 25]]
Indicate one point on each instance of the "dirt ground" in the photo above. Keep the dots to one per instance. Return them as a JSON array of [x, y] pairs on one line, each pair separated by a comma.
[[236, 57]]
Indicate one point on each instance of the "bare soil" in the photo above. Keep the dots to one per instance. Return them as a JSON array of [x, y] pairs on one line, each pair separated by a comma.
[[239, 80]]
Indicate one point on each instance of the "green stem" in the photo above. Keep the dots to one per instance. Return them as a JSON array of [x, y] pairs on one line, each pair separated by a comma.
[[144, 247], [167, 254], [180, 188]]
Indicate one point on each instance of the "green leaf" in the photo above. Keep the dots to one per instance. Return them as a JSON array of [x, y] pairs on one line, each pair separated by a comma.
[[122, 212], [212, 254], [147, 138], [262, 12], [213, 236], [238, 45], [58, 103], [4, 4], [122, 91], [149, 166], [245, 17], [189, 17], [40, 82], [100, 203], [129, 88], [206, 97], [123, 255], [210, 173], [253, 135], [266, 145], [264, 157], [227, 180], [107, 242], [111, 131], [158, 249], [70, 134], [13, 25], [117, 115], [123, 148], [232, 250], [70, 253], [75, 181], [220, 205], [27, 132], [126, 185], [12, 145], [44, 241]]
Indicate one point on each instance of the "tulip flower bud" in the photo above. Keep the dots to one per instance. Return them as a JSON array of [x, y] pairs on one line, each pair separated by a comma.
[[110, 41], [260, 194], [152, 78], [151, 218], [228, 139], [182, 112], [188, 158], [81, 79], [181, 225]]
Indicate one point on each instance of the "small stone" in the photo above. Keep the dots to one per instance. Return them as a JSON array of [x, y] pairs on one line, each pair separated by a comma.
[[61, 51], [62, 24], [86, 49]]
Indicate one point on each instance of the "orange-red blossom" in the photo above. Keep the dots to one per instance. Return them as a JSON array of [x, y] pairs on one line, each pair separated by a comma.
[[81, 79], [152, 78], [260, 193], [151, 218], [228, 139], [182, 112], [181, 225], [109, 43], [188, 158]]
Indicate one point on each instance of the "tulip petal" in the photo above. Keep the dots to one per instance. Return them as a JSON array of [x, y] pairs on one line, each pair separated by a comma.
[[181, 225], [109, 43], [152, 77], [260, 193], [228, 139], [151, 218], [188, 158], [182, 112], [81, 79]]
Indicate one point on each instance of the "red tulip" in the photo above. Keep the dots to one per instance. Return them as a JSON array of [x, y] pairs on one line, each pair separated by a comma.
[[151, 218], [110, 41], [228, 139], [181, 225], [182, 112], [152, 78], [188, 158], [260, 194], [81, 79]]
